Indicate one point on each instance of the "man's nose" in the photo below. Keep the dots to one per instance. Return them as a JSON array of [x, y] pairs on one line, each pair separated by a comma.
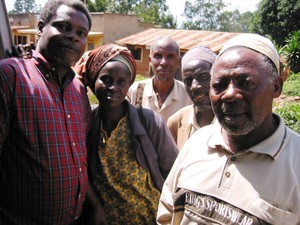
[[232, 93]]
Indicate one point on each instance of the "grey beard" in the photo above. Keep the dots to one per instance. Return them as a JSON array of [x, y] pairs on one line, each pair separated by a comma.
[[163, 79], [243, 129]]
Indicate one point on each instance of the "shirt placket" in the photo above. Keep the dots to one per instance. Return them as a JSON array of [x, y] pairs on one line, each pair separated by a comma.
[[229, 172], [76, 156]]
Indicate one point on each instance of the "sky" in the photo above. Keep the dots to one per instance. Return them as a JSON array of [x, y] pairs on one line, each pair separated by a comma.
[[177, 7]]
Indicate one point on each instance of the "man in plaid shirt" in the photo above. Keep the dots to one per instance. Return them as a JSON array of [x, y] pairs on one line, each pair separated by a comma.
[[44, 115]]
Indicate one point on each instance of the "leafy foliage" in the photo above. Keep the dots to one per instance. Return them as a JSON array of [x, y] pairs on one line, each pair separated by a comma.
[[210, 15], [151, 11], [291, 116], [234, 21], [203, 14], [25, 6], [92, 98], [97, 5], [276, 18], [290, 110], [140, 77], [291, 87], [291, 51]]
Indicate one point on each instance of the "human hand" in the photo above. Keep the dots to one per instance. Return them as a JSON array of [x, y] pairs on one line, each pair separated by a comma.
[[21, 51]]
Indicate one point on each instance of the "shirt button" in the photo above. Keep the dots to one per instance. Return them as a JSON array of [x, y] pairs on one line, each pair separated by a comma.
[[233, 159], [47, 75], [227, 174], [79, 196], [69, 116], [74, 144], [80, 169]]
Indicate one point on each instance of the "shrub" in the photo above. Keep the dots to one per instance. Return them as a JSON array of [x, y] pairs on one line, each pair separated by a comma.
[[92, 98], [291, 51], [140, 77], [291, 115], [291, 87]]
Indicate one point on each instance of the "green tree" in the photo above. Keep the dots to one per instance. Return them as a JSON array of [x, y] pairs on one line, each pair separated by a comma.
[[97, 5], [228, 20], [291, 51], [156, 12], [25, 6], [276, 19], [121, 6], [210, 15], [203, 14], [234, 21], [151, 11], [244, 22]]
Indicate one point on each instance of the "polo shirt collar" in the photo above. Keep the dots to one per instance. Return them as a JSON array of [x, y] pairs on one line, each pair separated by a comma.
[[192, 122], [270, 146], [192, 125], [174, 94]]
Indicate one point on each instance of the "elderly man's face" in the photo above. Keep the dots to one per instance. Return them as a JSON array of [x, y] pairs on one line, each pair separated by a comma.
[[241, 91], [196, 78], [164, 60]]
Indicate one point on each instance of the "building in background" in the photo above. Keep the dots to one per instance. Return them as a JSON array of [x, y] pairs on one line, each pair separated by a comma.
[[140, 43], [125, 30], [106, 28]]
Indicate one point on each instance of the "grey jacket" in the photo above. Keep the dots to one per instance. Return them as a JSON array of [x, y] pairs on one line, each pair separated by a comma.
[[156, 154]]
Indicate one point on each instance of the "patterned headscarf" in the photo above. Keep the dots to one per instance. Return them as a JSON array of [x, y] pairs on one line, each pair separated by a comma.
[[91, 62], [197, 53]]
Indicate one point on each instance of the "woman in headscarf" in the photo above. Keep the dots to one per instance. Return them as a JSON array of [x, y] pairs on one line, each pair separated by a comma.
[[130, 150]]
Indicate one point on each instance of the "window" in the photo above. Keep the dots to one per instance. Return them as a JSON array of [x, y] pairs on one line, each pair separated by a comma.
[[90, 46], [136, 52], [20, 40]]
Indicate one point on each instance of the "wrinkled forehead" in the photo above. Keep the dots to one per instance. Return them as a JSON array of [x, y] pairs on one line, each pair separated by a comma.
[[239, 52], [238, 60]]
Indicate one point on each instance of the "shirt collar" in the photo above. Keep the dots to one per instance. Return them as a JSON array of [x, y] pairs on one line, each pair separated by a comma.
[[270, 146], [174, 94], [47, 69], [192, 125]]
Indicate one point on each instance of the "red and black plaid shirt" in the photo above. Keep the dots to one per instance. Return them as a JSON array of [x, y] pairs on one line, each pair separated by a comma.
[[43, 174]]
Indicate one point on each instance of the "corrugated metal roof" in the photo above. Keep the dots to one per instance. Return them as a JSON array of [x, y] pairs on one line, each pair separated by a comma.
[[185, 38]]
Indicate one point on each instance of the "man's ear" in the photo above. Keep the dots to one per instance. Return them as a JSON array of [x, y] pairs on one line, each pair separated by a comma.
[[40, 27], [277, 86]]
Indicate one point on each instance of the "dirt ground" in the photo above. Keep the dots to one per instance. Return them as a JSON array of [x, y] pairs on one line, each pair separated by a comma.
[[283, 99]]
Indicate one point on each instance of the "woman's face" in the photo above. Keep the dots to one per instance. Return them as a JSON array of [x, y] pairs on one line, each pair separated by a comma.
[[112, 84]]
